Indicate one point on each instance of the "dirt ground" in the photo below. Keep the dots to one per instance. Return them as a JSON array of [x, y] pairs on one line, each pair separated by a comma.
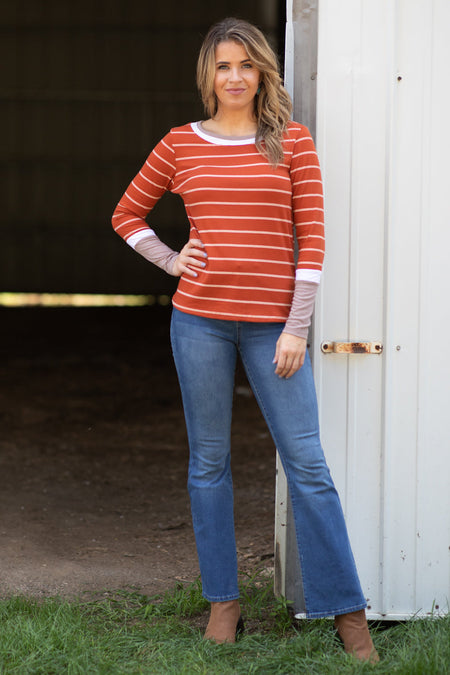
[[93, 457]]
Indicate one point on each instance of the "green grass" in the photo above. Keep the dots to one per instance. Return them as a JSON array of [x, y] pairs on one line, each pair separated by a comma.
[[131, 633]]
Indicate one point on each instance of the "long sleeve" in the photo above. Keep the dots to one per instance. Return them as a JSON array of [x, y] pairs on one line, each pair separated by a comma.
[[144, 191], [308, 211], [308, 216]]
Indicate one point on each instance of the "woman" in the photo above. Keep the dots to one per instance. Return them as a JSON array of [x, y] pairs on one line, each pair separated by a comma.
[[250, 181]]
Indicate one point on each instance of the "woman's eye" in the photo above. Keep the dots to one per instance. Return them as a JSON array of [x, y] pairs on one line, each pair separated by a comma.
[[222, 67], [247, 65]]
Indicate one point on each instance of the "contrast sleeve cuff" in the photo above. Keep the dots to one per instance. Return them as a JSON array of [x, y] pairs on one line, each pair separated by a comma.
[[155, 251], [140, 236], [302, 307], [308, 275]]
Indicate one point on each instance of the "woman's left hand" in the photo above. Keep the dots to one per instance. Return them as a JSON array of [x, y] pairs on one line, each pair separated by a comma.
[[289, 354]]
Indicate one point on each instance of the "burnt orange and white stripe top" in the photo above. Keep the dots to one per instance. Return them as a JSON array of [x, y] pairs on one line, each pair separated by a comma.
[[245, 212]]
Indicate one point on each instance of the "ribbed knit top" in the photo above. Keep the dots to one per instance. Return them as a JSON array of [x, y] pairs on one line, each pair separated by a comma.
[[245, 212]]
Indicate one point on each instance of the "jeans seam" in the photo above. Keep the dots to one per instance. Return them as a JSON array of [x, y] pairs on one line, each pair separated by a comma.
[[336, 612], [221, 598]]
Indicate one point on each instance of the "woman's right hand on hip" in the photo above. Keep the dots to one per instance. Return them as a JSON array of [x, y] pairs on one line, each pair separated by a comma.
[[192, 255]]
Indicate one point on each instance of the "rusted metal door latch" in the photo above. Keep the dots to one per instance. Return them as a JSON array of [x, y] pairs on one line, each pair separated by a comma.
[[329, 347]]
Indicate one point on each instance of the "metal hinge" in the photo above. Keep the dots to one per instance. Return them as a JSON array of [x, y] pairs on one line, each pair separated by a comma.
[[330, 347]]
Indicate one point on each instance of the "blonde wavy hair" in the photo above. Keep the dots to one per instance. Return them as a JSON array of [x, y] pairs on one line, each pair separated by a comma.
[[273, 106]]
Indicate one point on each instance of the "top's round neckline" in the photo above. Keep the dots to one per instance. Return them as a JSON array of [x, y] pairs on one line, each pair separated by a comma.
[[218, 139]]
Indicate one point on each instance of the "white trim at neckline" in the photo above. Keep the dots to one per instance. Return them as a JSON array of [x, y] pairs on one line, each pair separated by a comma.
[[220, 140]]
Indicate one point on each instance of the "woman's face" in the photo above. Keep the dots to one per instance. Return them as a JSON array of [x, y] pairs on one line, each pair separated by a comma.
[[236, 79]]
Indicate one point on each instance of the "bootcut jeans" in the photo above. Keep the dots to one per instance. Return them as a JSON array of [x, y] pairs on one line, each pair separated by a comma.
[[205, 352]]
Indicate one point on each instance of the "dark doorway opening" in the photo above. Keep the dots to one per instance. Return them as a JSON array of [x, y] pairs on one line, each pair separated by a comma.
[[93, 448]]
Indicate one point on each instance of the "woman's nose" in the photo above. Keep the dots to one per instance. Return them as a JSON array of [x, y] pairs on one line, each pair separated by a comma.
[[235, 74]]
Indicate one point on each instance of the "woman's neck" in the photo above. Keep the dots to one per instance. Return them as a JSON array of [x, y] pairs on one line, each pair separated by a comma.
[[231, 125]]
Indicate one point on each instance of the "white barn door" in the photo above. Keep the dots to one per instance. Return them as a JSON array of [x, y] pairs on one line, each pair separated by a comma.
[[382, 133]]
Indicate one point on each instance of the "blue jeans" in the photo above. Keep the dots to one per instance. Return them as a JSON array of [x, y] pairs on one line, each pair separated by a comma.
[[205, 352]]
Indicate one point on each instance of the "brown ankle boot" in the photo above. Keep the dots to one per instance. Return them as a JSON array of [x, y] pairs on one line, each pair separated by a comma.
[[225, 622], [354, 633]]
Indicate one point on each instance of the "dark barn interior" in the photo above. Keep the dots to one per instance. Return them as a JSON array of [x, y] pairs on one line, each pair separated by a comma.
[[93, 447]]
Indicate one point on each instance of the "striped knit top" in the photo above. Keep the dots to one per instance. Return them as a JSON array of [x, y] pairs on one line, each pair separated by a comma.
[[245, 212]]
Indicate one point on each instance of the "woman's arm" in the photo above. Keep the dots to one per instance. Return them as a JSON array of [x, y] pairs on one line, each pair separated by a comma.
[[146, 188], [308, 215], [129, 218], [307, 208]]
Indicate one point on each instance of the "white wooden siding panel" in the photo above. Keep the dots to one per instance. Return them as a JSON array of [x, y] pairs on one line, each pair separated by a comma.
[[351, 132], [433, 514], [403, 276]]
